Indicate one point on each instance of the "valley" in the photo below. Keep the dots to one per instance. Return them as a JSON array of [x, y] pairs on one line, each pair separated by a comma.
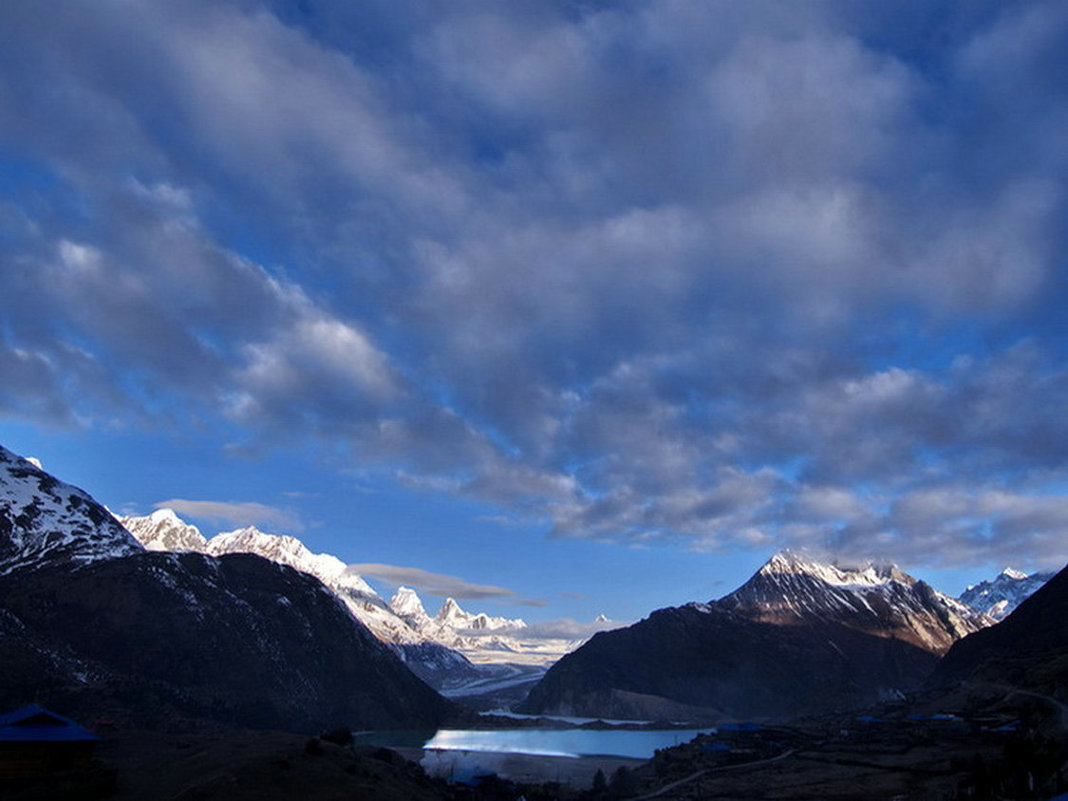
[[192, 654]]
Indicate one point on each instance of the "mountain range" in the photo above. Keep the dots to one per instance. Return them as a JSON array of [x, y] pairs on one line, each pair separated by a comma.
[[402, 621], [482, 659], [92, 621], [799, 636], [165, 626]]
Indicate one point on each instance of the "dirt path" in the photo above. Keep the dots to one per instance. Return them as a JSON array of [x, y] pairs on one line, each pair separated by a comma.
[[694, 776], [1010, 691]]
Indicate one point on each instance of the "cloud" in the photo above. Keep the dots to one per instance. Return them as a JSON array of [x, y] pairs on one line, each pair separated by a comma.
[[734, 276], [567, 629], [438, 584], [239, 514], [534, 602]]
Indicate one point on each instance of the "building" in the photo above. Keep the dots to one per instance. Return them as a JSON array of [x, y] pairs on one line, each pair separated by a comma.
[[36, 742]]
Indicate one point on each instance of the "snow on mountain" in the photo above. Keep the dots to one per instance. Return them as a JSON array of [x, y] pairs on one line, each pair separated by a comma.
[[290, 551], [998, 598], [43, 520], [163, 530], [799, 636], [451, 621], [404, 621], [869, 595], [407, 605], [483, 639], [452, 616]]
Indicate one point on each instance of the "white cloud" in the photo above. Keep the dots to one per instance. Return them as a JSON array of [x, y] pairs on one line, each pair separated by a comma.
[[655, 271], [568, 629]]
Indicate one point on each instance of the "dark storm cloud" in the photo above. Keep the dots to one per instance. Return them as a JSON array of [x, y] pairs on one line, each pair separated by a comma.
[[747, 275]]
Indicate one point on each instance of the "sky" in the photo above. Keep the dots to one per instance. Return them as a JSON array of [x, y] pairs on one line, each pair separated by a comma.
[[576, 307]]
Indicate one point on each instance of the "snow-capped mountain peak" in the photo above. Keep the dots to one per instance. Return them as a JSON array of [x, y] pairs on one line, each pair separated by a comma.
[[451, 613], [407, 604], [864, 574], [998, 598], [879, 597], [163, 530], [43, 520]]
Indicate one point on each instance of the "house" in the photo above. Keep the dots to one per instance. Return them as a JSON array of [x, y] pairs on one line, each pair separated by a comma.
[[36, 742]]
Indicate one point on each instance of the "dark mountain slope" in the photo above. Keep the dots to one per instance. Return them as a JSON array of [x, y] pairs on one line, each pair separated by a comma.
[[707, 661], [235, 639]]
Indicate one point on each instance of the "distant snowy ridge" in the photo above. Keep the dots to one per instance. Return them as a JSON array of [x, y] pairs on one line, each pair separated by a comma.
[[44, 520], [163, 530], [998, 598], [482, 638]]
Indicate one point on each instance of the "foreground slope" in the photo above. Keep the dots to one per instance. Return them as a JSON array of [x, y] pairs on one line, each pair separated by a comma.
[[798, 637], [92, 623]]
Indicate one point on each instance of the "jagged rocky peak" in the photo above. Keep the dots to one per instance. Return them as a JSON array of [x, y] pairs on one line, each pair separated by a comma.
[[998, 598], [451, 615], [43, 520], [407, 604], [163, 530]]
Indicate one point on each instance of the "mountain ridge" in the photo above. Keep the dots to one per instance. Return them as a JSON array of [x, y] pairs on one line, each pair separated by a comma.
[[998, 597], [479, 636], [798, 636], [93, 621]]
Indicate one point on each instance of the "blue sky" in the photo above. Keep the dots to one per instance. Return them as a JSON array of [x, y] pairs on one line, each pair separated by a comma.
[[592, 304]]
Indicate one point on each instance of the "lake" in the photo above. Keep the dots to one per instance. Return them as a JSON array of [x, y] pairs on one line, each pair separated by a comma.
[[625, 743], [570, 756], [629, 743]]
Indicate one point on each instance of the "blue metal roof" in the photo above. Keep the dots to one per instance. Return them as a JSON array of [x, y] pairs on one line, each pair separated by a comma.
[[35, 724]]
